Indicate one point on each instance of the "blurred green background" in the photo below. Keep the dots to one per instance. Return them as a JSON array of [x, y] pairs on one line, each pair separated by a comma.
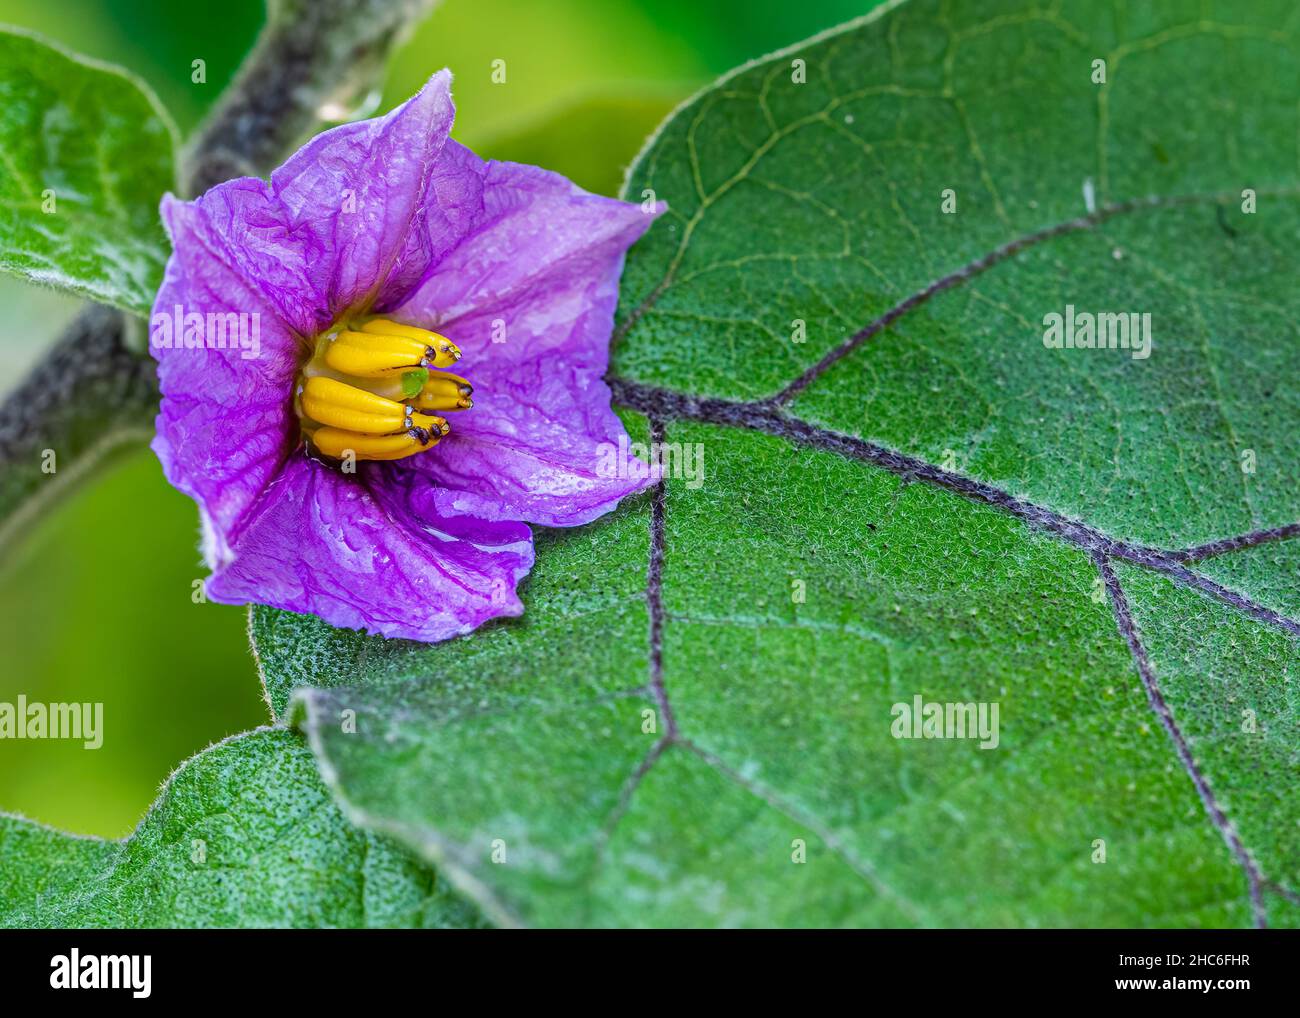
[[95, 601]]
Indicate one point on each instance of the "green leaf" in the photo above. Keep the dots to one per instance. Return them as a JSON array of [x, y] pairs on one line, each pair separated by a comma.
[[86, 153], [243, 834], [910, 496]]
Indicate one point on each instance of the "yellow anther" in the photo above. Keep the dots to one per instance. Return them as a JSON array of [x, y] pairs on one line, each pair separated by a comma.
[[444, 391], [435, 426], [355, 353], [340, 444], [368, 355], [363, 392], [440, 351], [343, 406]]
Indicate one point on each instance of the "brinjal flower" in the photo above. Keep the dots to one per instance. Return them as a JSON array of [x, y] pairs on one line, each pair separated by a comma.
[[327, 477]]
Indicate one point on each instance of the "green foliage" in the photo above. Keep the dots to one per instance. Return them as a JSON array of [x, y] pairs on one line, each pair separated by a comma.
[[87, 154], [243, 834], [803, 593]]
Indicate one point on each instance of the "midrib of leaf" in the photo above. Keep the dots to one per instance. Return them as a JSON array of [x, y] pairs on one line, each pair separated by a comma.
[[738, 85], [662, 405], [1258, 882], [318, 708]]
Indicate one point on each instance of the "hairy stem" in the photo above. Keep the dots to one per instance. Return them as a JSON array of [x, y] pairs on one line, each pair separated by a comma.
[[311, 53], [88, 397]]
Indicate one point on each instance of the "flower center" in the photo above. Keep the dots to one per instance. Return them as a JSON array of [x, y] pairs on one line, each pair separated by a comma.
[[364, 392]]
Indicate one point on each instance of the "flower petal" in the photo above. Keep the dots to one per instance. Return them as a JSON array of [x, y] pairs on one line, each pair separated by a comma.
[[226, 422], [355, 193], [342, 221], [452, 206], [389, 215], [535, 231], [372, 551], [529, 296], [541, 444]]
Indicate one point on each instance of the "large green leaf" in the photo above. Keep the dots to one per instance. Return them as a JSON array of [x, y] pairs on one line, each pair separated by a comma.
[[918, 499], [244, 834], [86, 153]]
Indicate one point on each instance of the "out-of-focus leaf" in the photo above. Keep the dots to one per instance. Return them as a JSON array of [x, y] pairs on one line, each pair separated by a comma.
[[86, 153], [591, 142], [243, 834]]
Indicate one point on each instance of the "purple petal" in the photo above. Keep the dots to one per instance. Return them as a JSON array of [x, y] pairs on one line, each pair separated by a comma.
[[452, 206], [290, 254], [541, 444], [529, 295], [355, 192], [226, 422], [373, 551], [341, 222], [535, 229]]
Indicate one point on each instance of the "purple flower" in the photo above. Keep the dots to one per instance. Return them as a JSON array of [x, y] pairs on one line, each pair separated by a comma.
[[302, 332]]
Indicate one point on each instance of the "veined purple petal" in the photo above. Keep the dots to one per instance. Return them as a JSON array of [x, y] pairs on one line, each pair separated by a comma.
[[355, 196], [535, 229], [340, 223], [380, 557], [529, 296], [541, 443], [287, 254], [226, 422], [452, 206]]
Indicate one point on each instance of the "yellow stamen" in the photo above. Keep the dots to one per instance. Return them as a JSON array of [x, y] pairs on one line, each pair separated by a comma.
[[335, 403], [440, 351], [354, 353], [362, 393], [425, 337], [444, 391], [339, 444], [374, 356]]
